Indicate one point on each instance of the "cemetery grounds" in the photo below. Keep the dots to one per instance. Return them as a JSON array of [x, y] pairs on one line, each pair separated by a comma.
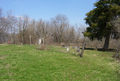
[[25, 63]]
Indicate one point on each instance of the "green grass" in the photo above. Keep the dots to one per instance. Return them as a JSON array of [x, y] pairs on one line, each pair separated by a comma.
[[25, 63]]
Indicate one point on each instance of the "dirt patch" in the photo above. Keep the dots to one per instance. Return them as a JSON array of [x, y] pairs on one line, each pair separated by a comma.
[[42, 48], [3, 44], [7, 65], [10, 74], [20, 46], [2, 56], [94, 55]]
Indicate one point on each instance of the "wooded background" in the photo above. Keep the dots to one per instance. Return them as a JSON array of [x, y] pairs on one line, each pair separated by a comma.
[[17, 30]]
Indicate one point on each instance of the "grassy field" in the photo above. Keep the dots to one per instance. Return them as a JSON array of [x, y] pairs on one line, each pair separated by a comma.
[[25, 63]]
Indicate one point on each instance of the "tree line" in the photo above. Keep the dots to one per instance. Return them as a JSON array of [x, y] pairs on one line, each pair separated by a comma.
[[16, 30]]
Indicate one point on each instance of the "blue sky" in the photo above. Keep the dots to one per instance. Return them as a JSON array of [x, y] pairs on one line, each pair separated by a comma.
[[75, 10]]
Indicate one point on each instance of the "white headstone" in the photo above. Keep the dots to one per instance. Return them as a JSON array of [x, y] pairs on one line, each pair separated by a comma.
[[39, 41], [67, 48]]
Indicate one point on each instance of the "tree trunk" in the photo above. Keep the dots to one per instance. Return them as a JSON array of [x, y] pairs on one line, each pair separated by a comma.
[[106, 44], [82, 48], [117, 53]]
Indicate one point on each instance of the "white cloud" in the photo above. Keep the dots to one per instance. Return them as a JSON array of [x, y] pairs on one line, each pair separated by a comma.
[[22, 17], [19, 16]]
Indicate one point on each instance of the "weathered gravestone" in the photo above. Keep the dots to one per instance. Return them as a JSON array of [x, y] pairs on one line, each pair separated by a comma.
[[78, 49]]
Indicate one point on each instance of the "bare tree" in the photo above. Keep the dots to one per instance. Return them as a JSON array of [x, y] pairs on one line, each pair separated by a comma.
[[59, 25], [72, 35], [12, 25], [82, 48], [42, 29], [4, 27], [116, 30], [31, 31], [116, 33], [23, 23]]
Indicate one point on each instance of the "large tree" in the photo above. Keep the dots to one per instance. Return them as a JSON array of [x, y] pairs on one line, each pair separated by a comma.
[[99, 19]]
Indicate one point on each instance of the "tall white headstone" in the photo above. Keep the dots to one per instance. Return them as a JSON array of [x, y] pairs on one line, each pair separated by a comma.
[[39, 41]]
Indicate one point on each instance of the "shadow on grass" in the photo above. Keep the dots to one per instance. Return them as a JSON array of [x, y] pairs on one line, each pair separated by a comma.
[[100, 49]]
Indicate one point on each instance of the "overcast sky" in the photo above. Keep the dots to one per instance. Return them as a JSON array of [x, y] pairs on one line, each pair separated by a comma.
[[75, 10]]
